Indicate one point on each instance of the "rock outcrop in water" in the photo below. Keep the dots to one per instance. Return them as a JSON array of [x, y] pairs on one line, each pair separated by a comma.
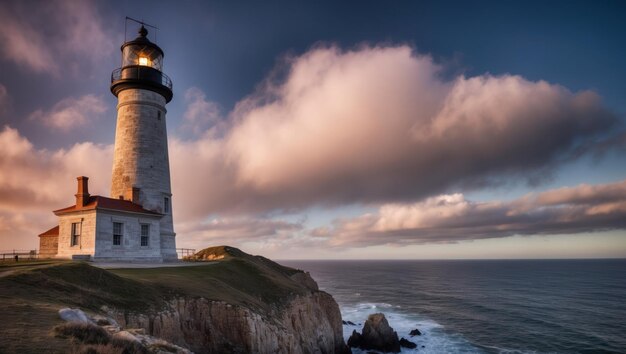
[[376, 335], [405, 343], [415, 332]]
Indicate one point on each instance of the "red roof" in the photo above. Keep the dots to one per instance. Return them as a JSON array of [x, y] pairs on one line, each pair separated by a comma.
[[52, 232], [99, 202]]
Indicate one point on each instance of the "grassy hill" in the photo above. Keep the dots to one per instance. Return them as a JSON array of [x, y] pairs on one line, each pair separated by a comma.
[[31, 293]]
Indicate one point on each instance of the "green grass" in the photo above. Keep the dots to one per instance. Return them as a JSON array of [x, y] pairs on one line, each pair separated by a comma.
[[76, 284], [238, 279], [31, 293], [234, 280]]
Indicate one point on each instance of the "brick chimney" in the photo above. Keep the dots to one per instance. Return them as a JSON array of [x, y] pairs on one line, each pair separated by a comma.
[[132, 194], [82, 196]]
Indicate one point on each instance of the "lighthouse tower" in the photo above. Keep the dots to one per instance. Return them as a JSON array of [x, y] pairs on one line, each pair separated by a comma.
[[141, 171]]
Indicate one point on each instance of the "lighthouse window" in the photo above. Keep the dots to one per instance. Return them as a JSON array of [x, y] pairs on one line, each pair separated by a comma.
[[143, 61], [166, 205], [145, 234], [117, 233], [75, 234]]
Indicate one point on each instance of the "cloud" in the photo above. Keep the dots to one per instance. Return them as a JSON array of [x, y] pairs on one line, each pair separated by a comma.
[[51, 34], [38, 179], [381, 124], [238, 230], [375, 126], [452, 218], [264, 234], [4, 100], [583, 194], [35, 181], [201, 115], [18, 229], [71, 112]]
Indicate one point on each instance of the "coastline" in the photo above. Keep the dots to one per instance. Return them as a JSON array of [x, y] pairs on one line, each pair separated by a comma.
[[486, 306]]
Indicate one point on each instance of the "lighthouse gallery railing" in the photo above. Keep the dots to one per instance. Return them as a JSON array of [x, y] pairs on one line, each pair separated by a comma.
[[140, 72]]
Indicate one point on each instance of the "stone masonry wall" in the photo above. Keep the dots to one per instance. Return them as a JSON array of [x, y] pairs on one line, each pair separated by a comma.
[[131, 239], [141, 157], [87, 242], [48, 246]]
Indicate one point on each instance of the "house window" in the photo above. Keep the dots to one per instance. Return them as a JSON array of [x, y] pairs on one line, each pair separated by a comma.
[[117, 233], [145, 233], [166, 205], [75, 241]]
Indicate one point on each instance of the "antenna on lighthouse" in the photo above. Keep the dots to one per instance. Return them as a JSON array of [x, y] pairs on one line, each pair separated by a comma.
[[141, 23]]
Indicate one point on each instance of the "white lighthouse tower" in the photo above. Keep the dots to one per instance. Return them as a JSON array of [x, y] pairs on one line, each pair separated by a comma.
[[135, 224], [141, 171]]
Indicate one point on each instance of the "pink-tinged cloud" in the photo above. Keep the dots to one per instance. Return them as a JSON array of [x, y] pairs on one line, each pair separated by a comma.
[[71, 112], [201, 115], [33, 182], [382, 124], [46, 35], [452, 218], [377, 126], [241, 230]]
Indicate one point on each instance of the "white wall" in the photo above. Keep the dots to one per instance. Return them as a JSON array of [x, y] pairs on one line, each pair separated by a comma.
[[130, 247]]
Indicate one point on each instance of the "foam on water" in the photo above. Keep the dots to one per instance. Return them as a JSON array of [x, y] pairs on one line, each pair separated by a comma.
[[434, 338], [504, 307]]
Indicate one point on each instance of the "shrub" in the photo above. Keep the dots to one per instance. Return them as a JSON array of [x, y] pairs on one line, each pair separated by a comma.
[[92, 339]]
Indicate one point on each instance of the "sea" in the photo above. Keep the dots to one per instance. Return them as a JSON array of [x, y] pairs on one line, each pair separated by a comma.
[[485, 306]]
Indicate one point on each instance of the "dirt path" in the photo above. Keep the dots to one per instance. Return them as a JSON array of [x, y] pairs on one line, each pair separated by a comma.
[[6, 272]]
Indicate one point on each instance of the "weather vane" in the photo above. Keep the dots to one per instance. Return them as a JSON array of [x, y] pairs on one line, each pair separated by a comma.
[[139, 22]]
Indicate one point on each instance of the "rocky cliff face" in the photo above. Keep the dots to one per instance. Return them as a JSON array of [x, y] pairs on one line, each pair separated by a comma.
[[307, 324], [236, 303], [292, 315]]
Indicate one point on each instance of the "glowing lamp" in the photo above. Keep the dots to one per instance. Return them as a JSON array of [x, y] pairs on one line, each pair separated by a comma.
[[142, 62], [140, 51]]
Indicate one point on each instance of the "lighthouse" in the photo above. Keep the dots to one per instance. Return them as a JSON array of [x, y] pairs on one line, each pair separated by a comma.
[[135, 223], [141, 170]]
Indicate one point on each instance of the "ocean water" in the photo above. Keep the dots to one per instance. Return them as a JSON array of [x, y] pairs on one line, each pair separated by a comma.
[[499, 306]]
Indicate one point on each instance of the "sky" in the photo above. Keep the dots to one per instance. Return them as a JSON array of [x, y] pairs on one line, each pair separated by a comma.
[[336, 130]]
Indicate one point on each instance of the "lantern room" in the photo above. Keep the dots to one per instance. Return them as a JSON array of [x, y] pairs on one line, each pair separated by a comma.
[[141, 51], [142, 67]]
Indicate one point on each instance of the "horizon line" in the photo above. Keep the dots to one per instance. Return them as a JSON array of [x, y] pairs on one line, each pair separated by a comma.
[[452, 259]]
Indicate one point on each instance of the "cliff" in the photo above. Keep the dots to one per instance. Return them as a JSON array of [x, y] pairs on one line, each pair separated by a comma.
[[236, 303]]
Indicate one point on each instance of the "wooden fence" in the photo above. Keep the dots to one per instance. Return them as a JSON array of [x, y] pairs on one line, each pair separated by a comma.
[[185, 252], [9, 255]]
